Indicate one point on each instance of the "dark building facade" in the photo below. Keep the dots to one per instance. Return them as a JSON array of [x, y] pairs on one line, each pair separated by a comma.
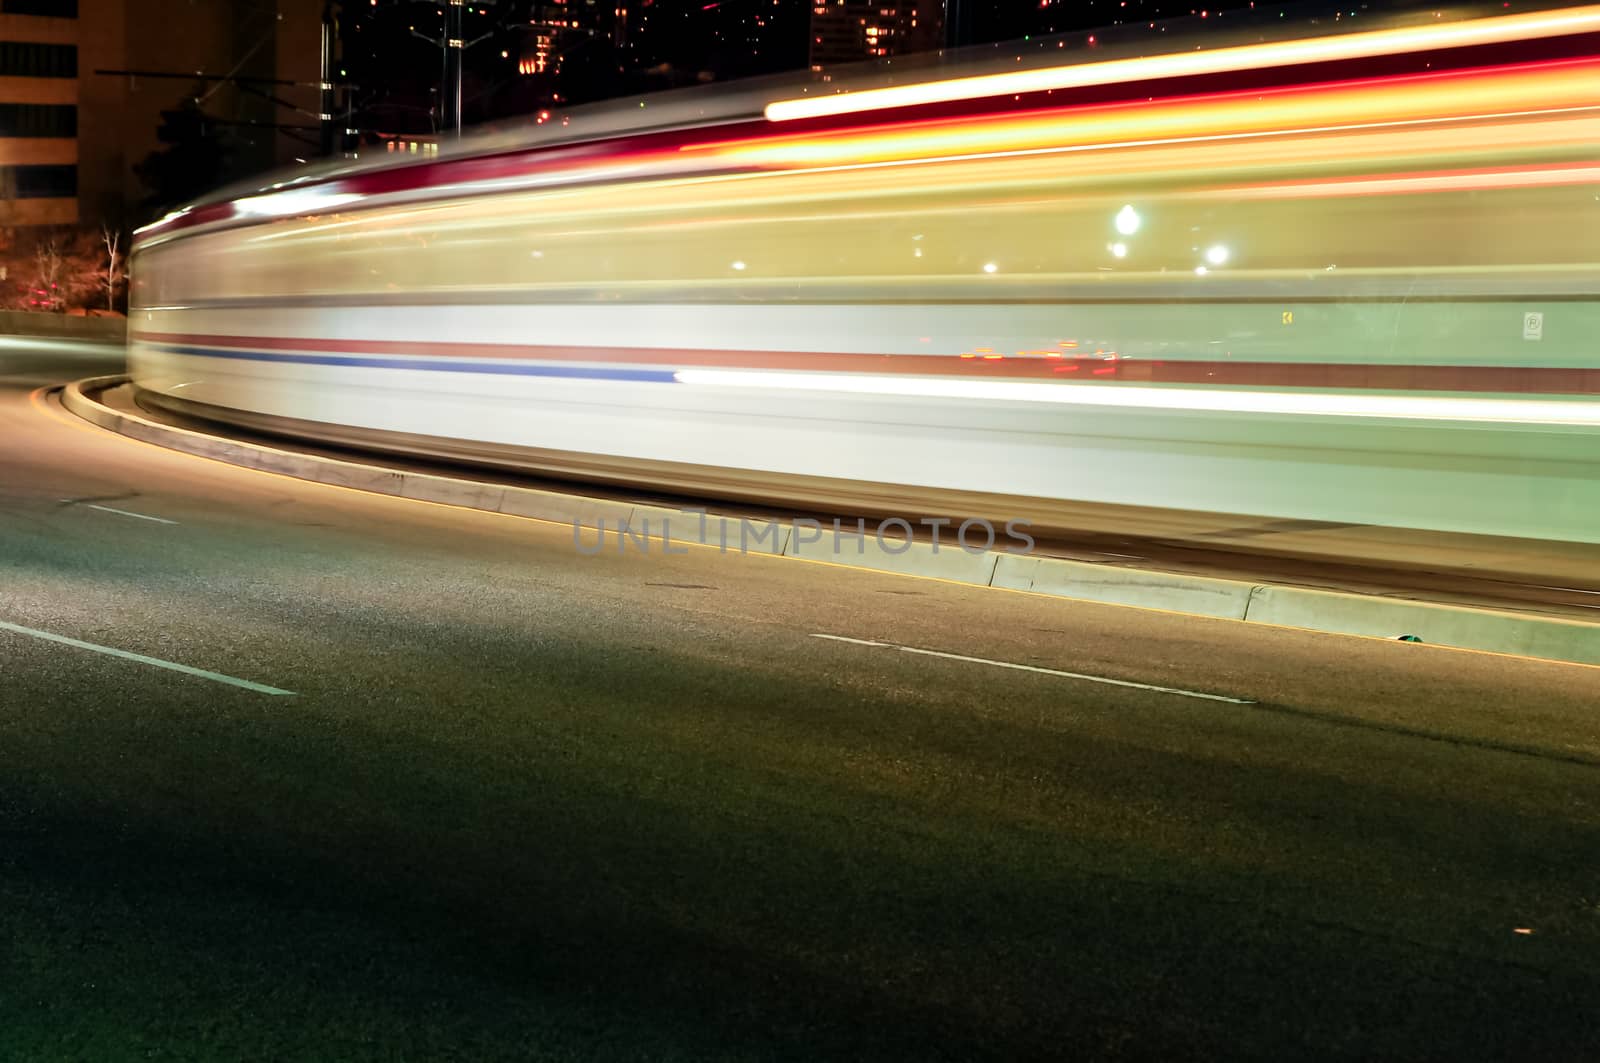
[[84, 84], [845, 31]]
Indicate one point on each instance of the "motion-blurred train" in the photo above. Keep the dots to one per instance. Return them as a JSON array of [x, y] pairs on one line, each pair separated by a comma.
[[1351, 276]]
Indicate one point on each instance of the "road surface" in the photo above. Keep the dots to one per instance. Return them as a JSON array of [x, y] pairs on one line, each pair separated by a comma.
[[437, 786]]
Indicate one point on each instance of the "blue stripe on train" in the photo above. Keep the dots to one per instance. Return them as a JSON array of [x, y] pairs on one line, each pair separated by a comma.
[[653, 376]]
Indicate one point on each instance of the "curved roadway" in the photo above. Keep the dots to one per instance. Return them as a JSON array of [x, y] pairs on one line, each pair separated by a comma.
[[448, 789]]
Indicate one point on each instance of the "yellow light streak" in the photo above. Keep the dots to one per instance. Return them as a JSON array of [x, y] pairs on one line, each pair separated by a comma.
[[1365, 45], [1428, 182], [1280, 403], [1564, 88]]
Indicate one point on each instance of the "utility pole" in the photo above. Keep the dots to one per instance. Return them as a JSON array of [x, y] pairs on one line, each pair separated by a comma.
[[957, 23], [325, 111], [455, 47]]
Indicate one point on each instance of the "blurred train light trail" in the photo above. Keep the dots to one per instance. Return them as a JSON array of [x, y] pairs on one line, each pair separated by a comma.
[[1366, 45], [298, 201], [1399, 184], [1284, 403], [1498, 92], [1240, 263]]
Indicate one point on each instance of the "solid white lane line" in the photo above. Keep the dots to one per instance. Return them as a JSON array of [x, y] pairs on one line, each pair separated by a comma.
[[136, 516], [139, 658], [1044, 671]]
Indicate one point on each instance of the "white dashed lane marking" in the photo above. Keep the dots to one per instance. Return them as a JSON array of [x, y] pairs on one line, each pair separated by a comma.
[[139, 658], [1107, 680], [124, 513]]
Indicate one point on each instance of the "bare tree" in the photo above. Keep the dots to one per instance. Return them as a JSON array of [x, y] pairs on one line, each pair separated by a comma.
[[49, 269], [74, 270], [116, 267], [8, 257]]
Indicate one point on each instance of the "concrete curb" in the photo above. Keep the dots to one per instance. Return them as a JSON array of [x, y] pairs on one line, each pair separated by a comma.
[[598, 522], [1478, 629]]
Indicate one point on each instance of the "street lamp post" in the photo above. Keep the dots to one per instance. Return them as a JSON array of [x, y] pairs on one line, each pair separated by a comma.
[[325, 111]]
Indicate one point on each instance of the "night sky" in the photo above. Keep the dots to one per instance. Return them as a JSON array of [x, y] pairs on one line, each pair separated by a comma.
[[666, 44]]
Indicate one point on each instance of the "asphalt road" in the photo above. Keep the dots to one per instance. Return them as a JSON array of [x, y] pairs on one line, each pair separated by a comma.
[[520, 803]]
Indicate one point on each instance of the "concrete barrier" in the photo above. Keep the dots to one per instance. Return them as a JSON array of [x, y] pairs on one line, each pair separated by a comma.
[[1119, 585], [736, 535], [24, 323], [448, 491], [647, 527], [1445, 625], [884, 554], [565, 509]]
